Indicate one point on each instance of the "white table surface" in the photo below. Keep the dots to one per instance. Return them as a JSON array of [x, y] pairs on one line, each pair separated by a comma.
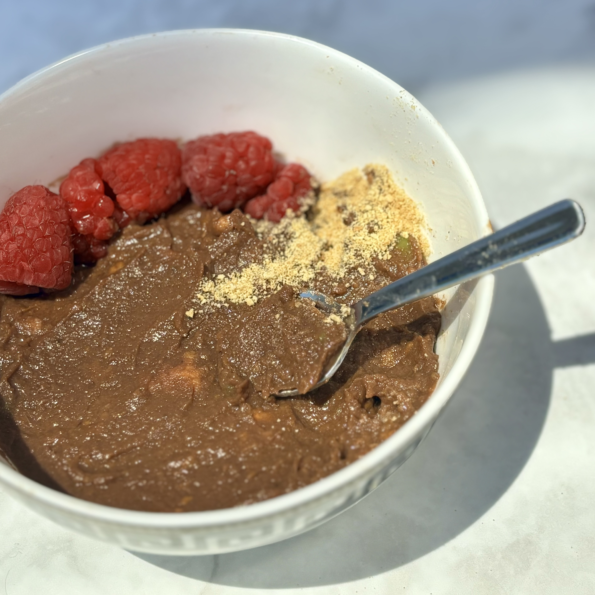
[[500, 498]]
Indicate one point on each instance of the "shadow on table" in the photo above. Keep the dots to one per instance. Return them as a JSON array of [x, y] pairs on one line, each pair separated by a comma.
[[471, 457]]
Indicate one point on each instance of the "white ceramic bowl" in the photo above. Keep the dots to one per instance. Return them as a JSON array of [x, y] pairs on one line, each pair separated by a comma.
[[320, 107]]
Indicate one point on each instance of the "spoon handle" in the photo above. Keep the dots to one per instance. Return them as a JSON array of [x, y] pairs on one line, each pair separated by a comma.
[[550, 227]]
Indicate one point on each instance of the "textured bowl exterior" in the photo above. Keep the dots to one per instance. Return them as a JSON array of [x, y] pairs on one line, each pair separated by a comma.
[[320, 107], [193, 538]]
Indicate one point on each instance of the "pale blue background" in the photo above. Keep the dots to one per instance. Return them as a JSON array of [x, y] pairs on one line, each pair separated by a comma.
[[413, 42]]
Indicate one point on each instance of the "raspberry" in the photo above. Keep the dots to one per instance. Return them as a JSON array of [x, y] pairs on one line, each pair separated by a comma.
[[9, 288], [91, 211], [144, 175], [122, 218], [88, 249], [291, 185], [226, 170], [35, 244]]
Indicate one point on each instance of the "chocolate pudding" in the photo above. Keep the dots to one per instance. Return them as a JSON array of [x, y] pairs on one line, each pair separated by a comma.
[[149, 384]]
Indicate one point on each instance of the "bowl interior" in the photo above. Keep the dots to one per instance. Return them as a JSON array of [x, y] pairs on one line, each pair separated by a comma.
[[318, 106]]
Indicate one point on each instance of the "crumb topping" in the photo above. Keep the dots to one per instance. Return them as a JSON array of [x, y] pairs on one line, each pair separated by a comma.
[[359, 216]]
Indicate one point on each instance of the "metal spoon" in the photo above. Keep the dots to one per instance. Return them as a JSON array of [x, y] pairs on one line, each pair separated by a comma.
[[550, 227]]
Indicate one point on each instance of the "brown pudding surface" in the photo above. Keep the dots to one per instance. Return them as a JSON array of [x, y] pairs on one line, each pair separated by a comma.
[[125, 390]]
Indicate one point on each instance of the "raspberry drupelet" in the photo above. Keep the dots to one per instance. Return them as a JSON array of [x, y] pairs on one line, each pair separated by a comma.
[[226, 170]]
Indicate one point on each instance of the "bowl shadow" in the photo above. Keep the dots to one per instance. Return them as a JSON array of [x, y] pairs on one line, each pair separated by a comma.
[[474, 453]]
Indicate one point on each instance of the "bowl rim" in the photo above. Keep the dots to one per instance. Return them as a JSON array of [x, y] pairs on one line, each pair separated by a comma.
[[324, 487]]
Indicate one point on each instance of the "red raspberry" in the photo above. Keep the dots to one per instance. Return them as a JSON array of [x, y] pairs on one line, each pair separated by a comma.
[[291, 185], [226, 170], [122, 218], [88, 249], [35, 245], [145, 176], [9, 288], [91, 211]]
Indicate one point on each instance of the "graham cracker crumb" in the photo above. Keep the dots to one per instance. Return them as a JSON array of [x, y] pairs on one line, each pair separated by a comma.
[[358, 217]]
